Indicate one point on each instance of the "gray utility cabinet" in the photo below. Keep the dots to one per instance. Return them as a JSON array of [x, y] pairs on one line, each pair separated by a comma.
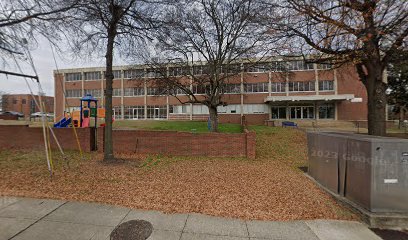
[[370, 171]]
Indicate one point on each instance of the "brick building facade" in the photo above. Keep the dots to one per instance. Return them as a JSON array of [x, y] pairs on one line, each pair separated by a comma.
[[24, 103], [260, 92]]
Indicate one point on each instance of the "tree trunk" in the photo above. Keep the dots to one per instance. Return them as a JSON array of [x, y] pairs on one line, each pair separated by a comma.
[[377, 100], [401, 117], [213, 118], [108, 143]]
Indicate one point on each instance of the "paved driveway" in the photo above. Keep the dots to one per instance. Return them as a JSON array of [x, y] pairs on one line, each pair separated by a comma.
[[39, 219]]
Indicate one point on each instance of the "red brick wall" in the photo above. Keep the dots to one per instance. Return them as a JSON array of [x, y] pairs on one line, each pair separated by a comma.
[[182, 143], [256, 119], [348, 82], [229, 118], [9, 117], [59, 102], [24, 137]]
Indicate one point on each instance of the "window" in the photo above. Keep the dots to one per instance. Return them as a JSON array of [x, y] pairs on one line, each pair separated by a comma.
[[308, 66], [133, 73], [117, 112], [295, 65], [23, 101], [180, 109], [231, 68], [254, 108], [299, 65], [222, 109], [323, 66], [232, 88], [277, 87], [179, 71], [94, 92], [307, 112], [116, 74], [14, 101], [278, 66], [117, 92], [134, 112], [257, 67], [153, 91], [70, 77], [326, 85], [233, 108], [176, 91], [200, 69], [92, 76], [302, 86], [134, 92], [302, 112], [157, 112], [327, 111], [278, 112], [75, 93], [156, 73], [256, 87], [198, 89]]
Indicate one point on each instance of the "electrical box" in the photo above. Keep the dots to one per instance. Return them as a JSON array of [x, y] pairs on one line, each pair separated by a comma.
[[368, 170]]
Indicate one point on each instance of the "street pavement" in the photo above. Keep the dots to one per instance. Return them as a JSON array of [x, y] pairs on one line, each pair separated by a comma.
[[43, 219]]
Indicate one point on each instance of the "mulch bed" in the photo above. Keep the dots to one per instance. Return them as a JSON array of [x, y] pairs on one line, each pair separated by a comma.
[[269, 188]]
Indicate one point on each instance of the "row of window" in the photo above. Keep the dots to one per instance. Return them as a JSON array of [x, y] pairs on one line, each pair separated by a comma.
[[159, 112], [262, 87], [199, 70], [326, 111], [301, 86], [138, 112], [88, 76]]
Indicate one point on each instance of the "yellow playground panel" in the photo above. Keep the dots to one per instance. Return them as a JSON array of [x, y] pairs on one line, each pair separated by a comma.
[[101, 113]]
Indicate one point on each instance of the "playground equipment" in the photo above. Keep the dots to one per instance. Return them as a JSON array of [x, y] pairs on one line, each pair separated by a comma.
[[82, 118], [63, 123]]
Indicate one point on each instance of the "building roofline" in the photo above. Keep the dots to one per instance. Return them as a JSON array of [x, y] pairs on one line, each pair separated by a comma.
[[142, 66], [24, 94]]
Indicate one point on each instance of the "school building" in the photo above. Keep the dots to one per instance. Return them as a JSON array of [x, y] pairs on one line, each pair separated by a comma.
[[274, 90], [25, 103]]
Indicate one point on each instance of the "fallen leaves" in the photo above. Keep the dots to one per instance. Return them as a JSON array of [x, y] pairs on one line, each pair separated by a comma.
[[268, 188]]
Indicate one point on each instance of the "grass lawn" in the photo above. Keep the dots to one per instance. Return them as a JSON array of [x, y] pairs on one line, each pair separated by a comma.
[[271, 187], [186, 126]]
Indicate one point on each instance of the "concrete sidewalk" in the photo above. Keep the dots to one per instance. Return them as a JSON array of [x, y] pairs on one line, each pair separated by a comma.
[[40, 219]]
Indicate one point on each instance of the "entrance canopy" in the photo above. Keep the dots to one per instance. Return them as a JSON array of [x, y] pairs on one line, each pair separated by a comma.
[[339, 97]]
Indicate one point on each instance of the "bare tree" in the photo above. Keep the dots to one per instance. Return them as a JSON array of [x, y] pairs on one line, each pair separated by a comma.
[[204, 41], [102, 26], [398, 84], [21, 21], [364, 33]]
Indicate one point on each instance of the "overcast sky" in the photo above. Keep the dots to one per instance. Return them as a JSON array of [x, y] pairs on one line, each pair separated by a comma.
[[44, 64]]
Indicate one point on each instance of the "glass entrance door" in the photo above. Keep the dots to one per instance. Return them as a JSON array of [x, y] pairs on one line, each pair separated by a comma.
[[136, 114], [295, 112], [157, 113], [302, 112]]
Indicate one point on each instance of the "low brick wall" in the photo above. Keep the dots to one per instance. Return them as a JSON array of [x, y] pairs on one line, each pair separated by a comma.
[[182, 143], [8, 117], [134, 141], [25, 137]]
